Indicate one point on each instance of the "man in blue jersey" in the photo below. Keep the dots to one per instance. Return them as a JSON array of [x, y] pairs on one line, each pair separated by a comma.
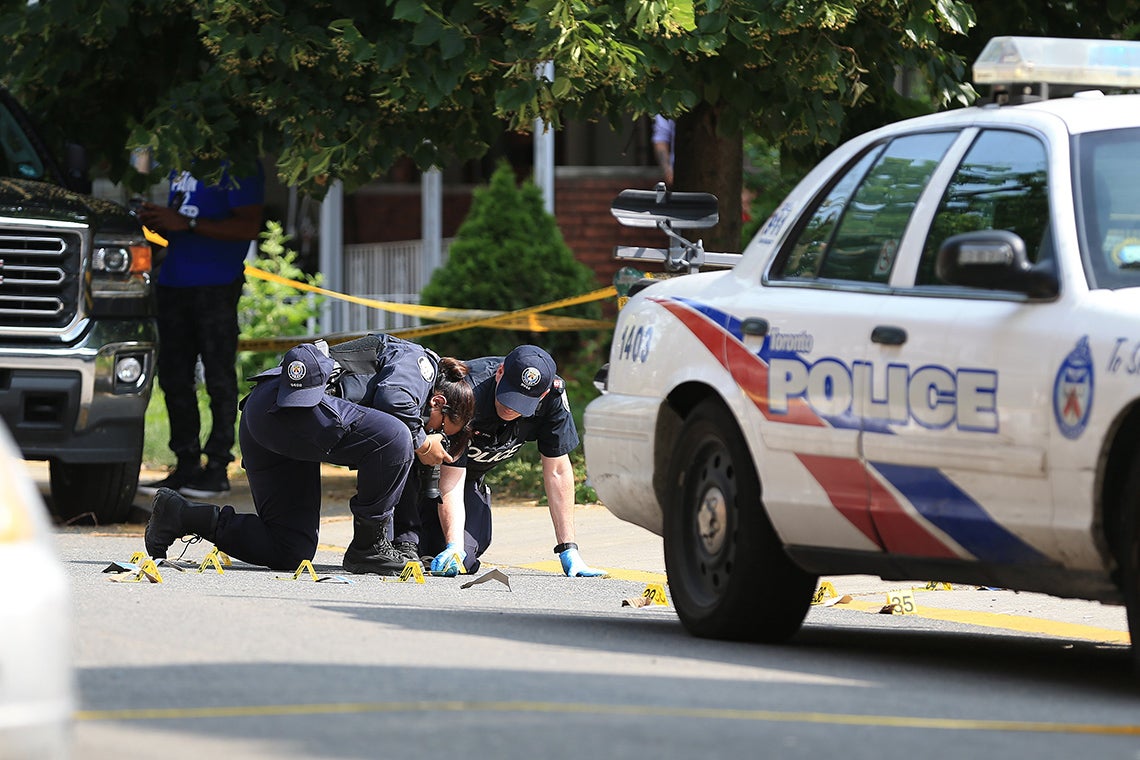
[[209, 229]]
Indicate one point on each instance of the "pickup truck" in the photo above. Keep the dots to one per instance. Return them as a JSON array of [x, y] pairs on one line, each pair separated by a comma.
[[77, 328]]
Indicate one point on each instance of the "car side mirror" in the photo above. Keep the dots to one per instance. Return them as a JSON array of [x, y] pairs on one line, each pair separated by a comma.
[[77, 167], [994, 260], [646, 208]]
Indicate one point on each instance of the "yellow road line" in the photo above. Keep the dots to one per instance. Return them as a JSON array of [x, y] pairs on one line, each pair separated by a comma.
[[770, 716], [1020, 623], [1003, 621]]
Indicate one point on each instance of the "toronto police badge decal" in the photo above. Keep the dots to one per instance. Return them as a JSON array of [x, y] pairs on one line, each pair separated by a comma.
[[1073, 391]]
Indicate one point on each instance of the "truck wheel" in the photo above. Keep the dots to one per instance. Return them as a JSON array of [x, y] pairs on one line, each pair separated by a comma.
[[105, 489], [728, 573], [1128, 555]]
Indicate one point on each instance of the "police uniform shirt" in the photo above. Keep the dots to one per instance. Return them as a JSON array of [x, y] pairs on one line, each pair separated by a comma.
[[404, 381], [398, 379], [494, 441]]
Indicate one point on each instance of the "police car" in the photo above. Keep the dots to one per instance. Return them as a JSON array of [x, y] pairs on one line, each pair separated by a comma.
[[925, 365]]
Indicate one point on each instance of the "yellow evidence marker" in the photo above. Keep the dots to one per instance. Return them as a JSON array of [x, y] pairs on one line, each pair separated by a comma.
[[825, 591], [654, 593], [901, 602], [212, 559], [412, 570], [146, 570]]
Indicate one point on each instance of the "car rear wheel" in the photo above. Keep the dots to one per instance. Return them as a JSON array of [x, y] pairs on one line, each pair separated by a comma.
[[728, 573]]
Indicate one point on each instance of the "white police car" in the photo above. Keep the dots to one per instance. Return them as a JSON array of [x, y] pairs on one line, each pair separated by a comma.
[[926, 364]]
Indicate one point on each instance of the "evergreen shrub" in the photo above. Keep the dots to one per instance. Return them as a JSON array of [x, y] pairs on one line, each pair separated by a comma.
[[509, 254]]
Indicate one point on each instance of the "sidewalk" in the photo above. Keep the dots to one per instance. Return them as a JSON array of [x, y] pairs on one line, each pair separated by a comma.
[[524, 537]]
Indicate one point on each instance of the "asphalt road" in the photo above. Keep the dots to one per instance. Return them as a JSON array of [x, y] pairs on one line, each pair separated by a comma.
[[252, 663]]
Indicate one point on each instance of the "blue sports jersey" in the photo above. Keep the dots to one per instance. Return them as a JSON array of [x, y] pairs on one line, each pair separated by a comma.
[[193, 260]]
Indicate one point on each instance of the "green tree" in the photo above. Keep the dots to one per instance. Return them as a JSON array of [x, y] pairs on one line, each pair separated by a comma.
[[343, 88], [509, 254]]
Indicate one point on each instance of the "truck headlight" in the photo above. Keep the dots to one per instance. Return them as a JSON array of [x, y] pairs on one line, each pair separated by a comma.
[[113, 259], [120, 267]]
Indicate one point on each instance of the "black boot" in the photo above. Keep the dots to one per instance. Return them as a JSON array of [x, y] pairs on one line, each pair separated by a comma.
[[172, 517], [409, 549], [371, 551]]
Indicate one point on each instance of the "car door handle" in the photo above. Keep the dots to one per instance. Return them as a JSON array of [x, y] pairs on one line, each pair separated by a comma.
[[888, 336], [754, 326]]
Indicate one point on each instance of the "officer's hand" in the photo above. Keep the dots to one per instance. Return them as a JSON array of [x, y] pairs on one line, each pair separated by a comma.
[[449, 561], [575, 567], [435, 453]]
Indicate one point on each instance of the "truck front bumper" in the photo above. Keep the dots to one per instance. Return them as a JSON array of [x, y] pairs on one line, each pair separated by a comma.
[[67, 402]]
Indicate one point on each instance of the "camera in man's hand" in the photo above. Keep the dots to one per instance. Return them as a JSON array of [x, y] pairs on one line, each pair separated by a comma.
[[429, 482], [429, 475]]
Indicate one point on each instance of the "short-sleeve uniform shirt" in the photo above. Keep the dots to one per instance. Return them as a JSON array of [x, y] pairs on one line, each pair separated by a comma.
[[494, 441]]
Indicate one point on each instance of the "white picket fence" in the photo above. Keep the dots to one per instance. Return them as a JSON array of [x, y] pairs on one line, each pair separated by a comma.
[[383, 272]]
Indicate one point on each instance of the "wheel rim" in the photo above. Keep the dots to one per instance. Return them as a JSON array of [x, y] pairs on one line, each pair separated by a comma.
[[712, 516], [709, 500]]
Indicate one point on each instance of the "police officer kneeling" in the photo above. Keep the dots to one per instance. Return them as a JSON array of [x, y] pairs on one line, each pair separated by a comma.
[[290, 424]]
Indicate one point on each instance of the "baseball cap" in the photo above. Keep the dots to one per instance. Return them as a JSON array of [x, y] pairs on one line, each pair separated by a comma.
[[528, 372], [304, 375]]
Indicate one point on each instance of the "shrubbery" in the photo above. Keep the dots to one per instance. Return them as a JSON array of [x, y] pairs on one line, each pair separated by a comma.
[[272, 310], [507, 255]]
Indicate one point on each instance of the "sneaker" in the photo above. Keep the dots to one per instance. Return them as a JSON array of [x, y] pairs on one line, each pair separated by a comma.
[[207, 483], [178, 477], [409, 549]]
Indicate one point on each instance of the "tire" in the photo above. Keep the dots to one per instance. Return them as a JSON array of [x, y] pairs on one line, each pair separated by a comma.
[[1128, 555], [106, 489], [728, 573]]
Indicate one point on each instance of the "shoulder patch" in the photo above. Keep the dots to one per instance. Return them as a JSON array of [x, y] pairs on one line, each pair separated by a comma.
[[426, 370]]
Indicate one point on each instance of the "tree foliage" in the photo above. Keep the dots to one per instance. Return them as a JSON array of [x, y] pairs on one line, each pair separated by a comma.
[[344, 88]]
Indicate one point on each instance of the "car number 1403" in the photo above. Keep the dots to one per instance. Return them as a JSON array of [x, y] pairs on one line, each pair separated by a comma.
[[635, 343]]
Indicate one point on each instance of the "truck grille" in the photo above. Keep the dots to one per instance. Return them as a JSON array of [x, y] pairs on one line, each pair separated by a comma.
[[39, 279]]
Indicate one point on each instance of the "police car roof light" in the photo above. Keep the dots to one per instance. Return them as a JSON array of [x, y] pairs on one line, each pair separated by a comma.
[[1059, 61]]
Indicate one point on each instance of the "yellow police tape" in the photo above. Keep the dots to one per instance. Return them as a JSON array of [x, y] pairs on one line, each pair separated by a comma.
[[454, 319]]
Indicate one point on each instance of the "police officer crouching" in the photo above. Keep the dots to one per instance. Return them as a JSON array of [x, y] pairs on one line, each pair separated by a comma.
[[289, 425]]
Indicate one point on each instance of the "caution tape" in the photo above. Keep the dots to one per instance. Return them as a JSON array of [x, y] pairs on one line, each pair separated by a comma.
[[529, 319]]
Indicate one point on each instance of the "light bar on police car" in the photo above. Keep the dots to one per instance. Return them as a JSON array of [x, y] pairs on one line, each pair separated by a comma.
[[1054, 60]]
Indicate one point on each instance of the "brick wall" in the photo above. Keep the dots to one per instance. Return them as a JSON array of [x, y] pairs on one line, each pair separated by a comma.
[[582, 197]]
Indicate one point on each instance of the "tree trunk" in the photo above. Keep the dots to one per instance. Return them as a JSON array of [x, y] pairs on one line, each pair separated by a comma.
[[708, 162]]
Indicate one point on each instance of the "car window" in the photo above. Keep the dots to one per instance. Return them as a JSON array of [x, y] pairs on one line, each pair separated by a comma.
[[807, 251], [854, 232], [1109, 212], [1001, 184], [19, 157]]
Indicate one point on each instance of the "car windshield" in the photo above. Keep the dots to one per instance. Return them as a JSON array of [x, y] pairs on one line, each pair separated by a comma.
[[19, 158], [1108, 163]]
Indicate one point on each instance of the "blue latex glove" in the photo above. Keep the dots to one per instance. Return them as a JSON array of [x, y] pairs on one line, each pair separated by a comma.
[[449, 561], [575, 567]]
